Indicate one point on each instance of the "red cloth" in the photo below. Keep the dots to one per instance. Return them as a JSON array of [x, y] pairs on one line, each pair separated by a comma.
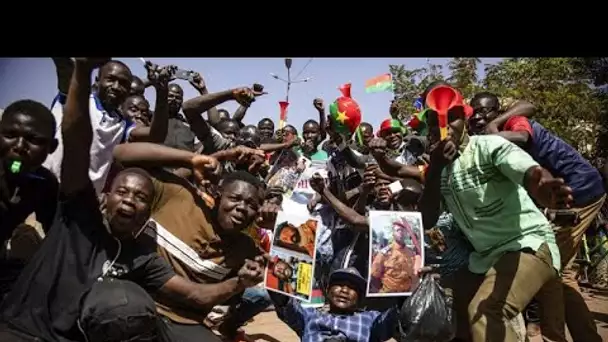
[[518, 124]]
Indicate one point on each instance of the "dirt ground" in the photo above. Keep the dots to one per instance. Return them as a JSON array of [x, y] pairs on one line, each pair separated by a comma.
[[267, 327]]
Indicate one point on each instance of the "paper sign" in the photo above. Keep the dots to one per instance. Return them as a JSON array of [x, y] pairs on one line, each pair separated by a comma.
[[291, 268], [396, 253]]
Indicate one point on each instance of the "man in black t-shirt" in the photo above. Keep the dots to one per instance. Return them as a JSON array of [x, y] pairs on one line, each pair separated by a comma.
[[89, 254], [27, 131]]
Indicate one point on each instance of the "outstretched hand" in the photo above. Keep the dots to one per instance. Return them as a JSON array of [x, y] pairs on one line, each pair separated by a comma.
[[548, 191], [205, 168]]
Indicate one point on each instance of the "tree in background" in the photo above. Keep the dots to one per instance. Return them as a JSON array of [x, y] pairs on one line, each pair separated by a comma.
[[564, 90], [410, 83], [597, 70], [463, 75]]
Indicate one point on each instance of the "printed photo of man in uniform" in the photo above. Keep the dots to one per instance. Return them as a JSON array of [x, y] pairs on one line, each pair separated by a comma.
[[394, 269]]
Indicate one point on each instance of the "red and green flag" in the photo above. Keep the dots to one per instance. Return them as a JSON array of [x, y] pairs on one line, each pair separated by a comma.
[[380, 83], [283, 114], [345, 113]]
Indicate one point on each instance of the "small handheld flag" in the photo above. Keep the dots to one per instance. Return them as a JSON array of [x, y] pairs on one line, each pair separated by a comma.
[[283, 113]]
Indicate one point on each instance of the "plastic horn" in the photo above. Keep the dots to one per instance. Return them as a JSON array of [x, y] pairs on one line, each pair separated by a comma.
[[441, 99]]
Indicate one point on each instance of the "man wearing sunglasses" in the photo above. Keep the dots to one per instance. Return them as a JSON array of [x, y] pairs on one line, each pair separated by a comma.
[[488, 184]]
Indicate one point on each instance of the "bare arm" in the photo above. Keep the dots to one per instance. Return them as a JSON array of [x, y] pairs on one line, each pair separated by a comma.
[[235, 153], [320, 107], [391, 167], [350, 194], [430, 201], [64, 68], [157, 132], [352, 159], [76, 130], [361, 203], [200, 296], [520, 108], [349, 215], [394, 168], [277, 146], [194, 108], [152, 155], [199, 84], [322, 123], [239, 114]]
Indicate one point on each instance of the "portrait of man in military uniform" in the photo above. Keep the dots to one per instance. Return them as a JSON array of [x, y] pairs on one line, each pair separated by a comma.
[[396, 254]]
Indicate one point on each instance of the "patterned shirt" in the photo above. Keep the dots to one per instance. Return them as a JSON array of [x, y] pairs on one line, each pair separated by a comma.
[[314, 325]]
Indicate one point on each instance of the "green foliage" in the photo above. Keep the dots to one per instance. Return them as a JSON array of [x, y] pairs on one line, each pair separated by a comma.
[[564, 90], [409, 84], [464, 75]]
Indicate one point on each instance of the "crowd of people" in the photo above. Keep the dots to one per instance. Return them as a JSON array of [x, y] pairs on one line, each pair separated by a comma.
[[151, 222]]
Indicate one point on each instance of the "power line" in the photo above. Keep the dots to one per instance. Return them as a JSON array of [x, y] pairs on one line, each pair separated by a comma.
[[304, 68]]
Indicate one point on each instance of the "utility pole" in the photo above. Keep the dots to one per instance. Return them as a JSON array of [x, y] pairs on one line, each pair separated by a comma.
[[289, 81]]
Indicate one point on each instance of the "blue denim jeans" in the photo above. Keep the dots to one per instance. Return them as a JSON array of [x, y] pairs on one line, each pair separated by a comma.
[[253, 301]]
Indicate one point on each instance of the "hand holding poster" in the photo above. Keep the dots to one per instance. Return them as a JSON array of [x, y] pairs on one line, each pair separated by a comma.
[[287, 171], [290, 271], [396, 253]]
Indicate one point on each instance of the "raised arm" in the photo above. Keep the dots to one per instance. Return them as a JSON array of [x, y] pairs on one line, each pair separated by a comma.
[[157, 132], [239, 114], [320, 107], [430, 201], [349, 215], [76, 129], [64, 67], [198, 83], [195, 107]]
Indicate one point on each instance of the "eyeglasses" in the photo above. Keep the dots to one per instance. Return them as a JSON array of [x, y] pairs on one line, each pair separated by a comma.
[[483, 111]]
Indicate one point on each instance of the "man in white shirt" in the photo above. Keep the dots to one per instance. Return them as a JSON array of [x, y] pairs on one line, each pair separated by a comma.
[[110, 128]]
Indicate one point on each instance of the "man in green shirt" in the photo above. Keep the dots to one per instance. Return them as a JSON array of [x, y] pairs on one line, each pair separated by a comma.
[[489, 184]]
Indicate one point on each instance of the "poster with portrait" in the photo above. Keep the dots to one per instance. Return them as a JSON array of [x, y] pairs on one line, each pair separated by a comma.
[[292, 253], [396, 253]]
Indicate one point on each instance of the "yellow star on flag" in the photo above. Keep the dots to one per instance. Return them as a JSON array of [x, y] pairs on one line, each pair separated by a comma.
[[342, 116]]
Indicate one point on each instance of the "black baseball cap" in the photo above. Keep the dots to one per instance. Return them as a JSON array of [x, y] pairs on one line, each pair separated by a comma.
[[350, 275]]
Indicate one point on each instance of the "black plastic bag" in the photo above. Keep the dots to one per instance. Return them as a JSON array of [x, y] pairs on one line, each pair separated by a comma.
[[427, 315]]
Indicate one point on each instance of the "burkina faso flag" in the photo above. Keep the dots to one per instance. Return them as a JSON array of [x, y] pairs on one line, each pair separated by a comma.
[[380, 83], [345, 113]]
